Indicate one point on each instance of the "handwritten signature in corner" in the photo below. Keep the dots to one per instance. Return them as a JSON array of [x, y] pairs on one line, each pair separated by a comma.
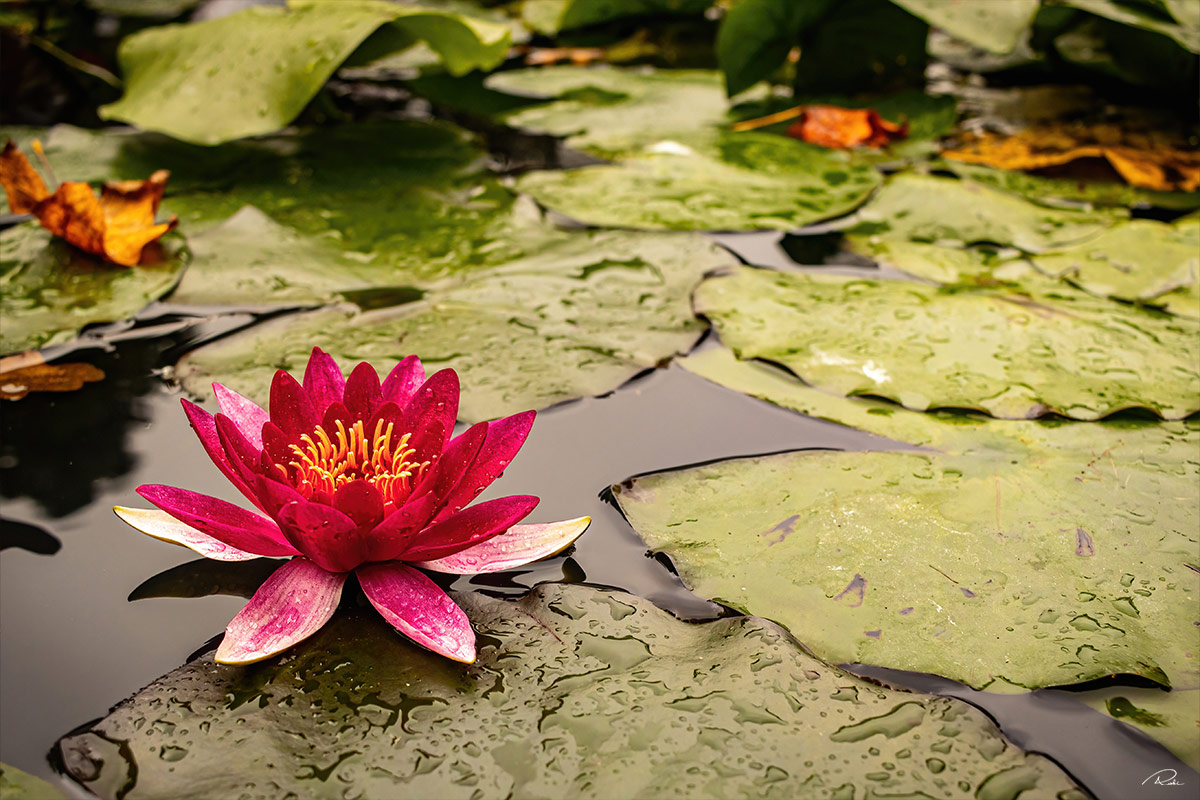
[[1164, 777]]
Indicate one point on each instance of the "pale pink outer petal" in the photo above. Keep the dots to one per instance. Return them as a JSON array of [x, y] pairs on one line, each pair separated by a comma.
[[415, 606], [246, 414], [163, 526], [292, 605], [517, 546]]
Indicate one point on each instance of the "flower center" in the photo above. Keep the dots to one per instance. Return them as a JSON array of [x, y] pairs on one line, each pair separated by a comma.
[[325, 464]]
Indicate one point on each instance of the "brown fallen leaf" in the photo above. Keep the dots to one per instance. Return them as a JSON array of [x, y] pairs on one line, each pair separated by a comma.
[[1147, 159], [115, 226], [27, 372], [833, 126], [545, 56]]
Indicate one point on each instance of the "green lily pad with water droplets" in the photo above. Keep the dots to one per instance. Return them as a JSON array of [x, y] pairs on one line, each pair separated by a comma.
[[50, 290], [261, 66], [577, 692], [577, 317], [1128, 458], [1011, 354], [18, 785]]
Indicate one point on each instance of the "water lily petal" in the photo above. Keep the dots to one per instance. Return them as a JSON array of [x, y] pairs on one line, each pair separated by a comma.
[[274, 495], [291, 409], [163, 526], [223, 521], [205, 426], [436, 401], [362, 395], [361, 502], [517, 546], [440, 481], [244, 458], [245, 413], [415, 606], [323, 380], [392, 537], [327, 536], [292, 605], [470, 526], [504, 439], [403, 381]]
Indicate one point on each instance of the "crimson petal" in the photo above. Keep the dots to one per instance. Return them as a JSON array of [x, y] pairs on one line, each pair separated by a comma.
[[323, 380], [456, 460], [223, 521], [206, 430], [244, 412], [431, 413], [164, 527], [470, 526], [291, 409], [361, 502], [504, 438], [362, 391], [415, 606], [517, 546], [324, 534], [292, 605], [403, 381], [391, 537]]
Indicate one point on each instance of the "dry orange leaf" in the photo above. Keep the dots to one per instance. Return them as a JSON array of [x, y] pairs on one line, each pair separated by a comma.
[[545, 56], [833, 126], [27, 372], [116, 225], [1148, 159]]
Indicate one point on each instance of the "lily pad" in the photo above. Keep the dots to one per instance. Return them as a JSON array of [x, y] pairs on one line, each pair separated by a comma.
[[1010, 565], [611, 112], [576, 318], [752, 181], [1049, 444], [1185, 31], [1138, 261], [994, 25], [262, 65], [51, 290], [18, 785], [581, 13], [1011, 354], [924, 208], [577, 692]]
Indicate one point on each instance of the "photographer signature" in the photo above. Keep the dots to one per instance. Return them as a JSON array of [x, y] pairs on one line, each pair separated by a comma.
[[1164, 777]]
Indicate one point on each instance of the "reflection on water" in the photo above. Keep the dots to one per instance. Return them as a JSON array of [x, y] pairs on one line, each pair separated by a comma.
[[33, 538]]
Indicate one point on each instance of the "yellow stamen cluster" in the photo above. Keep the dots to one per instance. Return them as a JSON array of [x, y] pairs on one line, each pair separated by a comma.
[[327, 463]]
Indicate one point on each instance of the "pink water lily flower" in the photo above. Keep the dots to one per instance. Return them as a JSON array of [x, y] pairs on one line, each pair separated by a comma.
[[352, 476]]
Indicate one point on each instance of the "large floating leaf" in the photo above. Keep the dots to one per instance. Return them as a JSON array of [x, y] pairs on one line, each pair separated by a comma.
[[1038, 565], [18, 785], [995, 25], [49, 290], [577, 693], [1011, 354], [1186, 32], [580, 13], [1171, 717], [749, 181], [260, 67], [579, 317], [929, 209]]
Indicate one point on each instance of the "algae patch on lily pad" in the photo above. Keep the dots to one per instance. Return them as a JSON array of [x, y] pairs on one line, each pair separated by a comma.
[[577, 692], [1009, 353], [578, 317]]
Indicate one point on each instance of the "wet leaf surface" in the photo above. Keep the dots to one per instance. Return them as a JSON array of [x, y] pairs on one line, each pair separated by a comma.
[[1048, 445], [1011, 354], [260, 66], [924, 208], [578, 317], [577, 691], [995, 25], [1012, 559], [51, 290]]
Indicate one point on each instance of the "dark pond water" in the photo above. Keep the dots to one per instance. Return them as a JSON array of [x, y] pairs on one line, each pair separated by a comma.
[[74, 643]]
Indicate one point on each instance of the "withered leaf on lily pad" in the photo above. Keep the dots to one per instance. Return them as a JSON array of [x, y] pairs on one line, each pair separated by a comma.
[[20, 375], [577, 693], [1148, 159], [115, 226], [833, 126]]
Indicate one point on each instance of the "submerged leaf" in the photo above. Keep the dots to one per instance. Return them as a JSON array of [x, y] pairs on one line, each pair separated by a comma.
[[577, 316], [262, 65], [577, 692], [1011, 354]]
